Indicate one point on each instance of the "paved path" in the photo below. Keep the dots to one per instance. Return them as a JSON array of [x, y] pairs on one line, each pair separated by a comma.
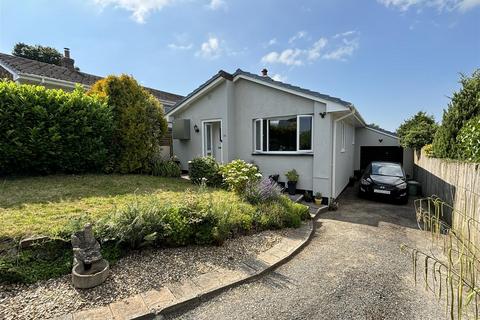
[[352, 269]]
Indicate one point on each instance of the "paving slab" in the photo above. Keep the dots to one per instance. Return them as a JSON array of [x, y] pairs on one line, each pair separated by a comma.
[[157, 299], [102, 313], [130, 308]]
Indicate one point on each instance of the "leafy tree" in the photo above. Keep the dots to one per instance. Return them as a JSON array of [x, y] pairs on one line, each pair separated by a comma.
[[417, 131], [138, 121], [374, 125], [465, 105], [37, 52], [469, 140]]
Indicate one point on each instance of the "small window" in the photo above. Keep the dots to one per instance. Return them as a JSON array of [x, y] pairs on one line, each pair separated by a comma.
[[343, 136], [353, 136], [305, 133], [258, 135]]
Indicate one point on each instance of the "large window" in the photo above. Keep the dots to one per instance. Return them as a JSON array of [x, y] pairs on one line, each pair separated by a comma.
[[286, 134]]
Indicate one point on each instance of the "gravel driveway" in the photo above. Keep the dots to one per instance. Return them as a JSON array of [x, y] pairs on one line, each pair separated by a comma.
[[352, 269]]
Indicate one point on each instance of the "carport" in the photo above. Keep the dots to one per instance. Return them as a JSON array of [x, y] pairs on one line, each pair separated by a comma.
[[375, 144]]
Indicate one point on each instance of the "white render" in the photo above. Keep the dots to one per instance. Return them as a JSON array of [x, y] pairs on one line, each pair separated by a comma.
[[238, 101]]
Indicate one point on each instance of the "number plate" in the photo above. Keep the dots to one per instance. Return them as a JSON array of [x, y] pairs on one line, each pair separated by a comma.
[[381, 191]]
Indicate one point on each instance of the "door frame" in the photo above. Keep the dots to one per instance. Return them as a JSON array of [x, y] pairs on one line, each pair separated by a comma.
[[210, 122]]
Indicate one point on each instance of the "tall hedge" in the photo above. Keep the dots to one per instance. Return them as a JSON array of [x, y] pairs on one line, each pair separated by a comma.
[[469, 141], [138, 121], [464, 106], [46, 131]]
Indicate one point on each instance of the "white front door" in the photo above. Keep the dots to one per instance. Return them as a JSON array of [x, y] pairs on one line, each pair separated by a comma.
[[208, 140]]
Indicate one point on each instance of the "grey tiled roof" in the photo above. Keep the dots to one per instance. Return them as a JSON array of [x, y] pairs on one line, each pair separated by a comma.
[[383, 130], [229, 76], [292, 87], [23, 65]]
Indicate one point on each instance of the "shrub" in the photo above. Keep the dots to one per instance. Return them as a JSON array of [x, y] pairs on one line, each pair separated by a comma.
[[238, 173], [292, 175], [283, 213], [208, 168], [465, 105], [469, 141], [138, 122], [165, 168], [417, 131], [47, 131], [264, 190], [428, 150]]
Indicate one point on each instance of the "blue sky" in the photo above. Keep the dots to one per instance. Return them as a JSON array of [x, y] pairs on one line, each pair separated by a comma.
[[390, 58]]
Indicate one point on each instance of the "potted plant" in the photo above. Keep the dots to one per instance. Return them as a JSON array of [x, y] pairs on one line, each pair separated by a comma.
[[307, 196], [318, 198], [292, 179]]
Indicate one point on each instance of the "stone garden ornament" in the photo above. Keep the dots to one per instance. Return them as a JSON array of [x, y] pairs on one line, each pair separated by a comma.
[[89, 268]]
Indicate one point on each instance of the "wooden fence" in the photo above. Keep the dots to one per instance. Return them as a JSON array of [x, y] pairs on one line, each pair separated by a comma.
[[456, 182]]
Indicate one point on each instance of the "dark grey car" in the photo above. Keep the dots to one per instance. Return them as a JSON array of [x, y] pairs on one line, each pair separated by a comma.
[[384, 180]]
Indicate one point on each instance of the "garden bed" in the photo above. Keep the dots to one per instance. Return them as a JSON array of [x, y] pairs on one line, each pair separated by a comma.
[[139, 271], [129, 212]]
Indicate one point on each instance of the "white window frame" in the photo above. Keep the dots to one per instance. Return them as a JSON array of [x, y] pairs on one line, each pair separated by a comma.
[[298, 151], [255, 135], [343, 136], [353, 135]]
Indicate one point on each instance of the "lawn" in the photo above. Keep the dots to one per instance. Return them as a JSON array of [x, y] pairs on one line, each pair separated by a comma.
[[49, 205]]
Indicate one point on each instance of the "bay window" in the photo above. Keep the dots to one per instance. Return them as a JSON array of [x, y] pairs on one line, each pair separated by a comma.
[[283, 134]]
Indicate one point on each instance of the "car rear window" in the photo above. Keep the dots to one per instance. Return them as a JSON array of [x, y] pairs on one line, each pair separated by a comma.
[[387, 169]]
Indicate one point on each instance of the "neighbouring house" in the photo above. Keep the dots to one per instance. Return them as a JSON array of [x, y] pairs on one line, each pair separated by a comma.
[[279, 127], [66, 77]]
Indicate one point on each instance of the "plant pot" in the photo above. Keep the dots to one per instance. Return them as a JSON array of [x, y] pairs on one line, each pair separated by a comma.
[[318, 201], [292, 187], [325, 200]]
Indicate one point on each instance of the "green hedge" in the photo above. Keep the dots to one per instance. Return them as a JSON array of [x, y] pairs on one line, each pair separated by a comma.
[[45, 130], [469, 141]]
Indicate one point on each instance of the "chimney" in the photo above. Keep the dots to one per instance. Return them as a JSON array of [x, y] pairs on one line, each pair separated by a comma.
[[265, 72], [66, 60]]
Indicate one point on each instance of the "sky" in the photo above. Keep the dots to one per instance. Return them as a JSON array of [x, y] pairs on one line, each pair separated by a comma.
[[390, 58]]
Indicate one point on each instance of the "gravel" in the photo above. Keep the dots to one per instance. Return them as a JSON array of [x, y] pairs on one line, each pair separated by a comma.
[[352, 269], [135, 273]]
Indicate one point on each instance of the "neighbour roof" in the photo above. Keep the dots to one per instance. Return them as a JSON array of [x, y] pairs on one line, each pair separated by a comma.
[[382, 130], [239, 72], [27, 66]]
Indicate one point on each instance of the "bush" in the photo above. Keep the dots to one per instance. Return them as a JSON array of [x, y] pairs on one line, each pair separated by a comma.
[[464, 106], [238, 173], [47, 131], [469, 141], [292, 175], [428, 149], [417, 131], [205, 168], [165, 168], [265, 190], [283, 213], [138, 122]]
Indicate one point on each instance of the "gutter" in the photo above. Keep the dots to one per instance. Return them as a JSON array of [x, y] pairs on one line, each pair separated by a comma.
[[332, 192], [43, 79]]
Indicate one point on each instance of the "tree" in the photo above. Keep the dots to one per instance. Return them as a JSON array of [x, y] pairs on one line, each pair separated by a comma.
[[417, 131], [138, 122], [38, 53], [374, 125], [464, 105]]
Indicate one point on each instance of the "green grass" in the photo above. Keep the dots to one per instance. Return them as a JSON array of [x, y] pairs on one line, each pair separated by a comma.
[[50, 205]]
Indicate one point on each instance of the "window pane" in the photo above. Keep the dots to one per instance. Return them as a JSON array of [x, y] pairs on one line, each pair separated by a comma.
[[265, 129], [282, 135], [209, 137], [258, 135], [305, 133]]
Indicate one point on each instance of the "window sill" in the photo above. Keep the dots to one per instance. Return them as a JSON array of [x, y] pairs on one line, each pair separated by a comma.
[[282, 154]]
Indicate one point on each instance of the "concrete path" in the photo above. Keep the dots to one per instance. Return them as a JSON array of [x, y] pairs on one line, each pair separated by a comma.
[[352, 269]]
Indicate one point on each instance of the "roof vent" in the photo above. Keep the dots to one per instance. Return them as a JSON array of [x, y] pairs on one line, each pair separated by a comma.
[[264, 72]]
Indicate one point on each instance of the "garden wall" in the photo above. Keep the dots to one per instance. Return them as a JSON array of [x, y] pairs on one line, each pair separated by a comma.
[[456, 182]]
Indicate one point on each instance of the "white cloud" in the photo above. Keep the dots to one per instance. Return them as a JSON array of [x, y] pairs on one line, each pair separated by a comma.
[[210, 49], [315, 51], [279, 77], [140, 9], [337, 47], [175, 46], [289, 57], [272, 42], [217, 4], [440, 5], [299, 35], [343, 51]]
